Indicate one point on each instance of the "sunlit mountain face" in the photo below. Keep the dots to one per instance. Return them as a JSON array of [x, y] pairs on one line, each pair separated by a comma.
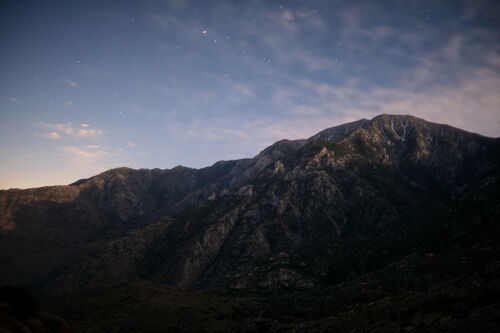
[[249, 166], [90, 86]]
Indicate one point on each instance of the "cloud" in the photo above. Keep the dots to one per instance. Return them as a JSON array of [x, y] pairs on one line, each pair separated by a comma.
[[238, 94], [52, 135], [12, 99], [258, 27], [168, 22], [493, 59], [306, 107], [244, 138], [329, 67], [84, 153], [287, 15], [71, 83], [88, 133], [92, 159], [471, 104], [131, 144], [453, 49], [69, 102], [312, 19], [68, 129]]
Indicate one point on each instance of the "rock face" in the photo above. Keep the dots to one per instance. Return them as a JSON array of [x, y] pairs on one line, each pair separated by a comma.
[[288, 219]]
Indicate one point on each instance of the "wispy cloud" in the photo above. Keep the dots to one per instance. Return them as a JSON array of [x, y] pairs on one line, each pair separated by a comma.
[[360, 61], [169, 22], [52, 135], [12, 99], [92, 159], [472, 104], [85, 153], [71, 83], [287, 16], [55, 131]]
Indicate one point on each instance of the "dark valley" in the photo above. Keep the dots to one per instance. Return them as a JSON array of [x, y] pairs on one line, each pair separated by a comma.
[[385, 225]]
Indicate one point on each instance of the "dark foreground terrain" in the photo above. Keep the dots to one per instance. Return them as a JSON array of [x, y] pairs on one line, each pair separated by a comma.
[[389, 224]]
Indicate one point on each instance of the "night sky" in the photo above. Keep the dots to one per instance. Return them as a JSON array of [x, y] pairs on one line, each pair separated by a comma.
[[86, 86]]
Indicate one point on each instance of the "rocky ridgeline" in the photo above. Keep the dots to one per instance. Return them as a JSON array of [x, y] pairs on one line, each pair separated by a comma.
[[282, 221]]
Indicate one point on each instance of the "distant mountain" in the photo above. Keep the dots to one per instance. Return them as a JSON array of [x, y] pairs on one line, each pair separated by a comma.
[[382, 199]]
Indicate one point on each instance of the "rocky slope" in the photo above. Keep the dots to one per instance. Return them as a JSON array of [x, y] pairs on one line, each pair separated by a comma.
[[274, 223], [440, 275]]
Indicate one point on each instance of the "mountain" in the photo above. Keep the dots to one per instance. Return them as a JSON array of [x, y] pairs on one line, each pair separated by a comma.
[[371, 204]]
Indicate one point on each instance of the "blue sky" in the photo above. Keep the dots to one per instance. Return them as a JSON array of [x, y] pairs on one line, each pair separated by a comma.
[[86, 86]]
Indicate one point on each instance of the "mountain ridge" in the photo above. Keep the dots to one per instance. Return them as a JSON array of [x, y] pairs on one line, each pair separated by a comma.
[[346, 127], [374, 173], [359, 217]]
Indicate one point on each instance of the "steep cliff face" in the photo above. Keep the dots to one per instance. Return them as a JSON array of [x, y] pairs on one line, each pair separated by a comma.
[[284, 220]]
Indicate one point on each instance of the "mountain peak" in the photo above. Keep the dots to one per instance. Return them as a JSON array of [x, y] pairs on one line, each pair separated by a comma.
[[339, 132], [395, 128]]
